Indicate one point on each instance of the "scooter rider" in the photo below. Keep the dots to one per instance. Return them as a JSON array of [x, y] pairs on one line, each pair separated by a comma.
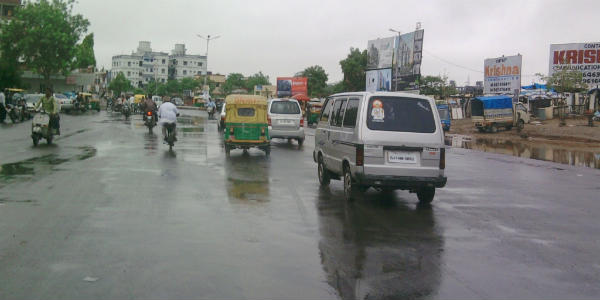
[[50, 105], [168, 115], [211, 105]]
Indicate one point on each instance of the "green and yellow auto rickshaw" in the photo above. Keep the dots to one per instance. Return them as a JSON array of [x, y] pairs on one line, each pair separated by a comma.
[[246, 124], [94, 102], [314, 112]]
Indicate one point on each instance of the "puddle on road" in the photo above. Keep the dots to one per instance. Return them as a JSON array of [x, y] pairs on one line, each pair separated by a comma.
[[32, 166], [526, 149]]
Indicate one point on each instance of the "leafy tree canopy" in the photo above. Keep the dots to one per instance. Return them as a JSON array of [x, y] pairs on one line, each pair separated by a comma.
[[84, 54], [256, 79], [120, 84], [353, 67], [43, 35]]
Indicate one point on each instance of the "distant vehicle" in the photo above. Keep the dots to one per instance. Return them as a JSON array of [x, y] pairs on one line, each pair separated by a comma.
[[246, 124], [178, 102], [64, 102], [31, 100], [444, 112], [221, 124], [492, 112], [386, 140], [285, 120]]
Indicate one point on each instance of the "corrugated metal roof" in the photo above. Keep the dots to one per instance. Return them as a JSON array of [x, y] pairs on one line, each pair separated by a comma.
[[14, 2]]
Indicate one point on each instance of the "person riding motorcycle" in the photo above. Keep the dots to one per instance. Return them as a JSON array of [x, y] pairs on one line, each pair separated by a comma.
[[50, 105], [211, 107], [149, 105], [167, 114]]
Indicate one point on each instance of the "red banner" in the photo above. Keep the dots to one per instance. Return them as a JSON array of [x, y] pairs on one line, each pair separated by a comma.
[[299, 86]]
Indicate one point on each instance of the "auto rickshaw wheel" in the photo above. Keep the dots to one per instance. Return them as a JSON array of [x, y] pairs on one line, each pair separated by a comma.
[[49, 139], [36, 140]]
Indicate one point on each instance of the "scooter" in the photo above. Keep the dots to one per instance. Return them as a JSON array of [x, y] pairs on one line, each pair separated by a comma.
[[40, 128], [12, 112], [149, 121]]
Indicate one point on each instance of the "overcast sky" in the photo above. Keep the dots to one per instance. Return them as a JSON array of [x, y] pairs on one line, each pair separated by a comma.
[[283, 37]]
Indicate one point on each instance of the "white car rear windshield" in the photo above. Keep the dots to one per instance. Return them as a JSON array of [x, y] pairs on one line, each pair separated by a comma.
[[285, 107], [400, 114]]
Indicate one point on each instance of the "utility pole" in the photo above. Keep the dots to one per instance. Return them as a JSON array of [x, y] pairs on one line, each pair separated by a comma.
[[395, 69], [208, 38]]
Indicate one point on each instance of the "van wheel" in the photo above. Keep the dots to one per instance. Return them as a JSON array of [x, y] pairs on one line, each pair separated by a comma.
[[350, 187], [426, 195], [322, 172]]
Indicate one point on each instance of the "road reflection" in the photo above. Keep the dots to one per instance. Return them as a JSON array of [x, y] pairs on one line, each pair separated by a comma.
[[247, 177], [538, 150], [377, 248]]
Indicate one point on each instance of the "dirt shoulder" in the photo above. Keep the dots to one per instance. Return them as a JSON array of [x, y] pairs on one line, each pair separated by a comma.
[[575, 134]]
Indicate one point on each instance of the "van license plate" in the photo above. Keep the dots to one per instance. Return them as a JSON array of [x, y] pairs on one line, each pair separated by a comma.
[[402, 157], [286, 122]]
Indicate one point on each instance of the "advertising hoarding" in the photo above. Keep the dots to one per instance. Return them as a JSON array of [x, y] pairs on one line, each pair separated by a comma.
[[379, 80], [582, 57], [502, 75], [291, 86], [408, 58], [380, 53]]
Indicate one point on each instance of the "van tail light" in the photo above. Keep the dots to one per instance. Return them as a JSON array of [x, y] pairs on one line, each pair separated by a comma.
[[302, 122], [269, 120], [442, 158], [149, 113], [360, 155]]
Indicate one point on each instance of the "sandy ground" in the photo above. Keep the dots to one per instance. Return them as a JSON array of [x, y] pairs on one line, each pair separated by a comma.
[[575, 133]]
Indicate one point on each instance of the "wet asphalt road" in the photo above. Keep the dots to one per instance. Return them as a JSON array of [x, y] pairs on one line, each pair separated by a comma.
[[108, 212]]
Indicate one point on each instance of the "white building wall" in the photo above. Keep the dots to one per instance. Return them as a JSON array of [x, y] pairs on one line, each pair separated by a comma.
[[188, 65]]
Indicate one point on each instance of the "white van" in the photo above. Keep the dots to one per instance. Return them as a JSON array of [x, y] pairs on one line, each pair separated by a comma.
[[387, 140]]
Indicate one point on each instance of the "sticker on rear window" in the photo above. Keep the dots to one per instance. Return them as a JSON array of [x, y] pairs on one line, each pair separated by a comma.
[[377, 113]]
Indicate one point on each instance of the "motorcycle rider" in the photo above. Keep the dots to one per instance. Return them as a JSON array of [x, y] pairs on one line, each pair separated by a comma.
[[149, 105], [50, 105], [167, 114], [211, 105]]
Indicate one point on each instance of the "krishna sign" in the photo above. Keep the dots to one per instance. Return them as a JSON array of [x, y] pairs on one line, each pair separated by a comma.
[[502, 75]]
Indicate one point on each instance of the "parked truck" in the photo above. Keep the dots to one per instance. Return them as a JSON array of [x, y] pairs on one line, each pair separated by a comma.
[[492, 112], [444, 112]]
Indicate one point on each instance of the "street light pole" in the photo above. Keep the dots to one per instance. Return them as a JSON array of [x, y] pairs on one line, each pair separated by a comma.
[[208, 38]]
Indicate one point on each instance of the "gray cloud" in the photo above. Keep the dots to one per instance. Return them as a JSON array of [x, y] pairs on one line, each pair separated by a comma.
[[280, 38]]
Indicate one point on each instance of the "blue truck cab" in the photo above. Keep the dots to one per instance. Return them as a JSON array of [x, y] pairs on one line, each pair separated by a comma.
[[444, 112]]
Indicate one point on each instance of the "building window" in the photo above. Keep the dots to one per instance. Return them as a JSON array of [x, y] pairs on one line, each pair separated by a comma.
[[199, 72], [129, 64], [128, 73], [151, 70], [141, 63], [162, 71], [163, 61], [184, 72], [199, 64], [185, 63]]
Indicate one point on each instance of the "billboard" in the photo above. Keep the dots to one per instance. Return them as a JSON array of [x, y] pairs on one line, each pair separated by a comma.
[[380, 53], [502, 75], [407, 59], [379, 80], [582, 57], [291, 86]]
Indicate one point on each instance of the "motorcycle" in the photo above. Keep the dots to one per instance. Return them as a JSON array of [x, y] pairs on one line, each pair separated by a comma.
[[13, 112], [40, 128], [126, 110], [170, 138], [211, 113], [24, 112], [149, 121]]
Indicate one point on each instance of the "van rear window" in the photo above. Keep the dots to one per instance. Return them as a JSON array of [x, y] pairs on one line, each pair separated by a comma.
[[400, 114], [285, 107], [245, 112]]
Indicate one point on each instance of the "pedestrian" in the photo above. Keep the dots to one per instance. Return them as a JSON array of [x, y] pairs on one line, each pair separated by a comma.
[[2, 107]]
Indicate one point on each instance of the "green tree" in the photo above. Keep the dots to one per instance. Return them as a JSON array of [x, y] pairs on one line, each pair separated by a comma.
[[10, 73], [44, 36], [436, 86], [156, 88], [257, 79], [233, 81], [120, 84], [173, 87], [84, 54], [317, 80], [566, 81], [354, 67], [189, 83]]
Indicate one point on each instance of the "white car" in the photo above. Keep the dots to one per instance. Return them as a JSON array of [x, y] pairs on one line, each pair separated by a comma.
[[286, 120], [64, 102], [31, 100]]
